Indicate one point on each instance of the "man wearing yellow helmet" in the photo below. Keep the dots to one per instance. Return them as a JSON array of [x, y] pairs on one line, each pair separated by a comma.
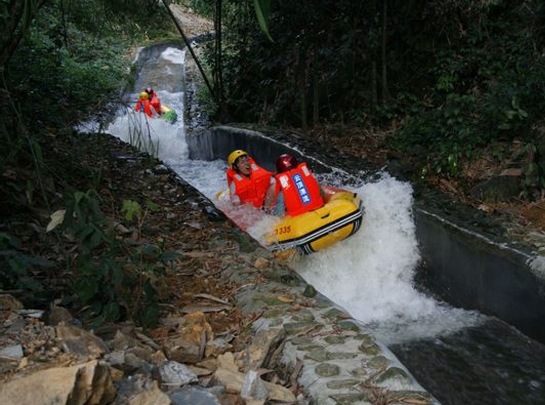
[[248, 182], [143, 105]]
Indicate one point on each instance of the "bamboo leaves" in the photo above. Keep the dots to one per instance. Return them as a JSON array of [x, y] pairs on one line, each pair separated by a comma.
[[262, 11]]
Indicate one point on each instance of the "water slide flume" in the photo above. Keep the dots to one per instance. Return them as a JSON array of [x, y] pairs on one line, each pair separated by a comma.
[[340, 217]]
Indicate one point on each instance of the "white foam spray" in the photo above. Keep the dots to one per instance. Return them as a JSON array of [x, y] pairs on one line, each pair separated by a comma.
[[371, 274]]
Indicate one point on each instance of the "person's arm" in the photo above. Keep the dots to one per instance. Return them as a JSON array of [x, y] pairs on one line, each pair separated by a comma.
[[268, 202], [235, 199], [280, 207]]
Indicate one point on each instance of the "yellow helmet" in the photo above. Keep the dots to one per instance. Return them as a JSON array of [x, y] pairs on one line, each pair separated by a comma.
[[143, 95], [234, 156]]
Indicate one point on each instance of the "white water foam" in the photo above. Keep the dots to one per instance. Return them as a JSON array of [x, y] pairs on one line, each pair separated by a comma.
[[153, 135], [371, 274], [174, 55]]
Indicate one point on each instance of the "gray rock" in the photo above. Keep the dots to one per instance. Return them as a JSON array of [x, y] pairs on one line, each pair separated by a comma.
[[318, 355], [216, 347], [497, 189], [80, 342], [303, 316], [14, 352], [59, 315], [253, 387], [193, 396], [393, 374], [340, 384], [340, 355], [370, 350], [335, 340], [8, 301], [378, 362], [64, 385], [327, 370], [174, 375]]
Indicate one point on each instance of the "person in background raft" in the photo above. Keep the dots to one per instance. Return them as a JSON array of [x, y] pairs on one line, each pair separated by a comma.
[[143, 105], [249, 183], [154, 100], [296, 189]]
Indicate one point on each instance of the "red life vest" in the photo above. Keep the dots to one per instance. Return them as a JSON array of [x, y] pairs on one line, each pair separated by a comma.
[[145, 106], [301, 190], [250, 190], [155, 103]]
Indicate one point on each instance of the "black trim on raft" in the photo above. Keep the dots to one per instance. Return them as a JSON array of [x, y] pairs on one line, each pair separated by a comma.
[[303, 243], [307, 249]]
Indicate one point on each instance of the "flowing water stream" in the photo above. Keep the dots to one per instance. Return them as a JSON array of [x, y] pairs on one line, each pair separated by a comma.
[[461, 357]]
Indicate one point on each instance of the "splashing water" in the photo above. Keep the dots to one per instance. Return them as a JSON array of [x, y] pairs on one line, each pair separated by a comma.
[[370, 274], [153, 135]]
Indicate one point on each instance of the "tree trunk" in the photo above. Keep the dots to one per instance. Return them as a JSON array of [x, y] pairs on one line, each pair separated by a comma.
[[11, 32], [301, 79], [374, 85], [315, 91], [385, 91], [373, 52], [218, 69]]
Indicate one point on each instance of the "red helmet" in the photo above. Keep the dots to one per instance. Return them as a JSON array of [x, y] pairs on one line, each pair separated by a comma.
[[285, 163]]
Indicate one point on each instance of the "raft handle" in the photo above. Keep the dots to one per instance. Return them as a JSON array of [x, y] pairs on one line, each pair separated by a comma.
[[325, 216]]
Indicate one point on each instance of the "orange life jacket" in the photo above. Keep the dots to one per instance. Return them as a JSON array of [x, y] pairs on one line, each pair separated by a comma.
[[250, 190], [145, 106], [301, 190]]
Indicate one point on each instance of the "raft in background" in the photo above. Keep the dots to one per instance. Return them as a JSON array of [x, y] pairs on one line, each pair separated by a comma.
[[168, 114]]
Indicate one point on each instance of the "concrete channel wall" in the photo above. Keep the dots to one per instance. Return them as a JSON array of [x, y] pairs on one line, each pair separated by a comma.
[[461, 266]]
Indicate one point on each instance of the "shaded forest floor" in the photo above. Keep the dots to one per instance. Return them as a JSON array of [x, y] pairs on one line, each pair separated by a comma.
[[373, 146]]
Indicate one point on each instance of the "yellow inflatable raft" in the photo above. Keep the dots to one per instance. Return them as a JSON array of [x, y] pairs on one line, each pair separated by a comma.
[[339, 218]]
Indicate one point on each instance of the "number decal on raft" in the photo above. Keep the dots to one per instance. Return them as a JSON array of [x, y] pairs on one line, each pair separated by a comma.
[[282, 230]]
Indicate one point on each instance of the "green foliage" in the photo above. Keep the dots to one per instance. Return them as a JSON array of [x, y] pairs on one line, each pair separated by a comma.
[[471, 74], [206, 101], [63, 74], [131, 209], [447, 135], [203, 7], [262, 11], [85, 221], [113, 280], [74, 60]]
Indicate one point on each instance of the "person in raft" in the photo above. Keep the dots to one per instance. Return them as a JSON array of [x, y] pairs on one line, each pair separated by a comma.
[[143, 105], [249, 183], [296, 191], [154, 100]]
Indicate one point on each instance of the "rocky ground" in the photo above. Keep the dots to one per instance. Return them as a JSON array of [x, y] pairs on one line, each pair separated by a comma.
[[195, 293]]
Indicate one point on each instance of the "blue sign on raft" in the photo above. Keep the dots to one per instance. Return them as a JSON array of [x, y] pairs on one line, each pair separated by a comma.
[[303, 193]]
